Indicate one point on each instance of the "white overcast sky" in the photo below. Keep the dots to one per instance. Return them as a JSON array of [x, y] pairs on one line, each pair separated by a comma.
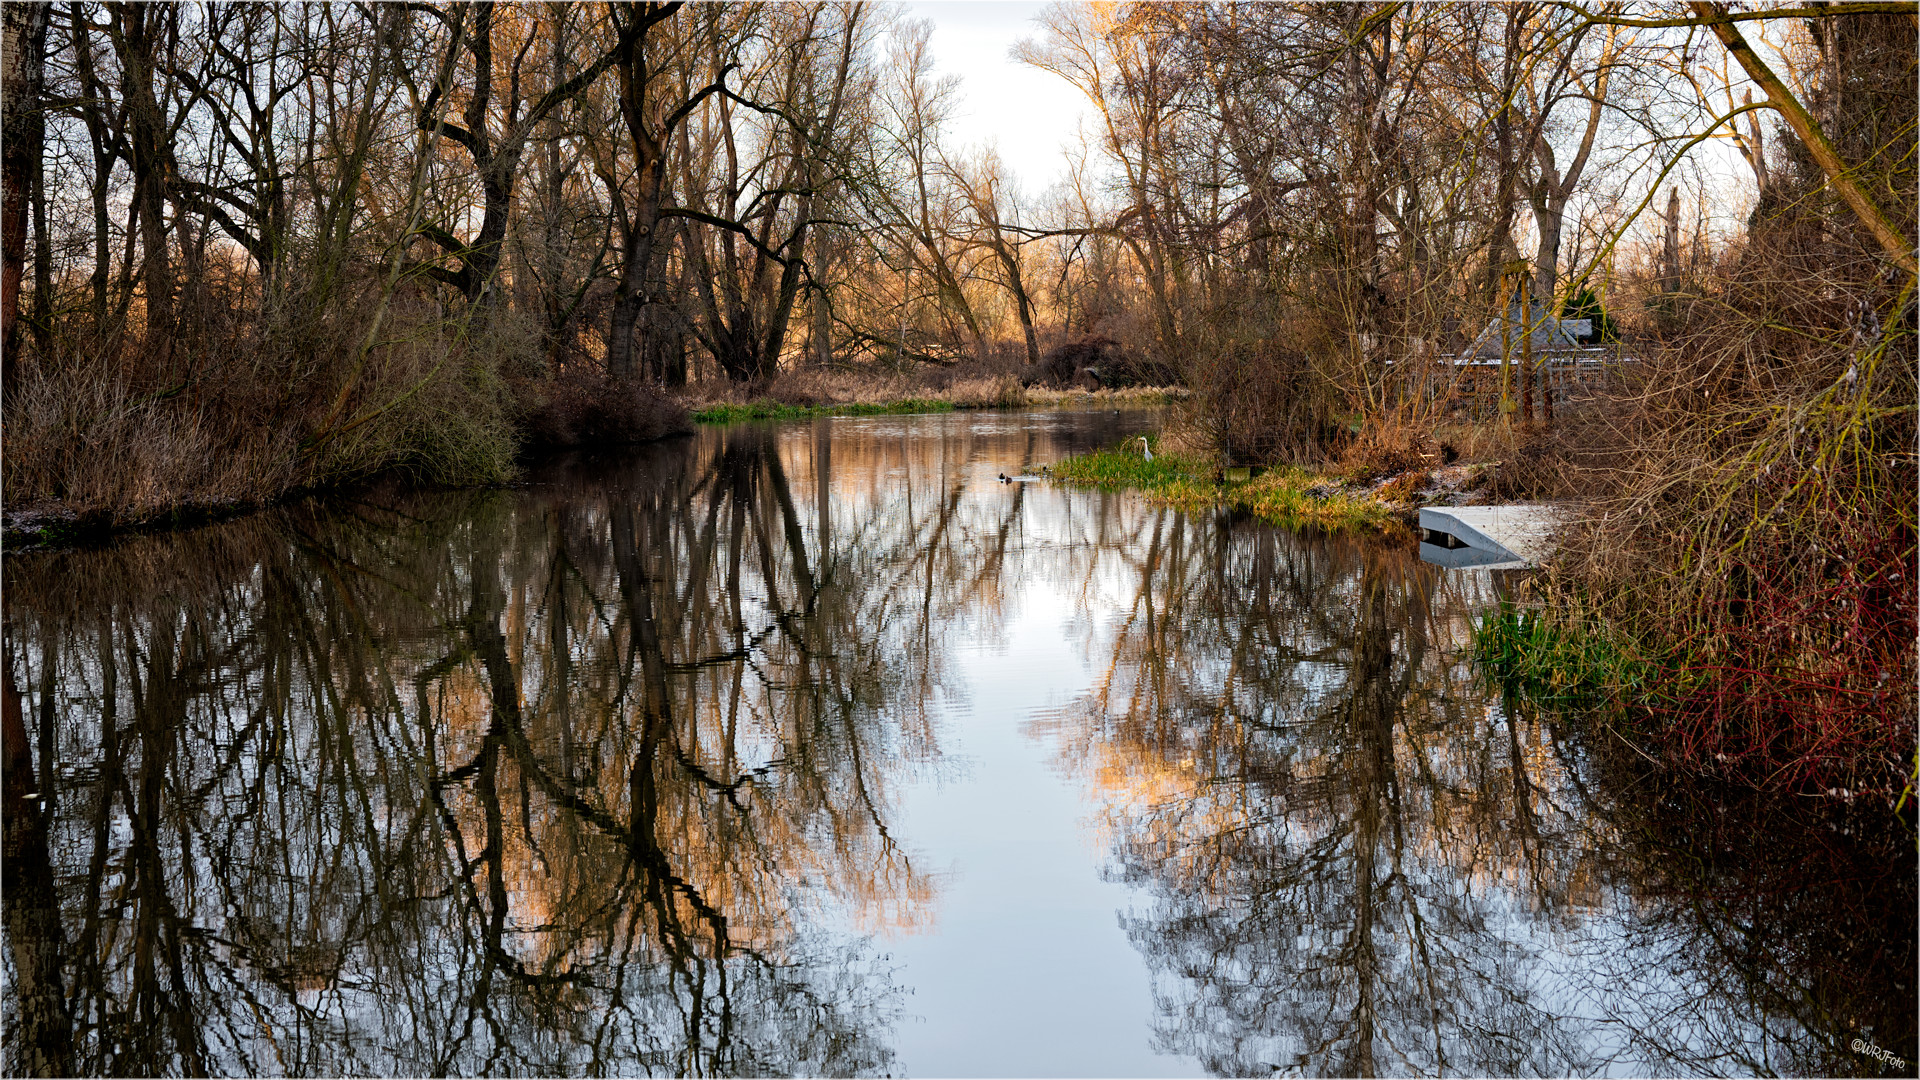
[[1029, 114]]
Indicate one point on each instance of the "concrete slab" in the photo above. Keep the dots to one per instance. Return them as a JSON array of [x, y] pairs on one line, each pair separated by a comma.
[[1476, 558], [1518, 534]]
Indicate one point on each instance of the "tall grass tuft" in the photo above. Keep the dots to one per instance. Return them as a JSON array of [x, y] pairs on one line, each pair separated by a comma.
[[101, 447], [1563, 661]]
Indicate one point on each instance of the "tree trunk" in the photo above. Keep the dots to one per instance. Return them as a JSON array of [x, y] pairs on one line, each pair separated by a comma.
[[1549, 214], [133, 29], [636, 255], [1023, 304], [1501, 250], [484, 262], [820, 311], [650, 167], [42, 254], [100, 134], [25, 38], [1670, 244]]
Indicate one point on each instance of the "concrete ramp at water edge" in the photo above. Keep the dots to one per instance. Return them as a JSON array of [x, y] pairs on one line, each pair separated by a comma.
[[1488, 537]]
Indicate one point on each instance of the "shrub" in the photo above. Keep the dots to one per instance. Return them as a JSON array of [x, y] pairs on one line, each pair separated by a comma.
[[582, 407], [256, 405], [1389, 444], [1261, 394]]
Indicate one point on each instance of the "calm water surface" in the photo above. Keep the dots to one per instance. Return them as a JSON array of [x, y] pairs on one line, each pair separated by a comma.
[[812, 749]]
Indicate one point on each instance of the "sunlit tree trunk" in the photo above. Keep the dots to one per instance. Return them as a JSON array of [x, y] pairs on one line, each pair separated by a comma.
[[1893, 243]]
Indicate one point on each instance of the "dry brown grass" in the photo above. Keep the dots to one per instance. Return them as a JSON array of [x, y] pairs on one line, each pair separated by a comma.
[[1404, 488], [97, 446], [837, 386], [1478, 442], [809, 387], [1123, 396], [995, 392], [1392, 443]]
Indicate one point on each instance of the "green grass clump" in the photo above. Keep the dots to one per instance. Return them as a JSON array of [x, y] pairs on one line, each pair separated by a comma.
[[1124, 468], [768, 409], [1281, 496], [1564, 662]]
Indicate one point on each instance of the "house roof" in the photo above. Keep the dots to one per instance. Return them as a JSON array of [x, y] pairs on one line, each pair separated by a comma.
[[1549, 333]]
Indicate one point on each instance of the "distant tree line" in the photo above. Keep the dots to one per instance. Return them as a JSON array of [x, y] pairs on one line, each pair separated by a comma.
[[310, 240]]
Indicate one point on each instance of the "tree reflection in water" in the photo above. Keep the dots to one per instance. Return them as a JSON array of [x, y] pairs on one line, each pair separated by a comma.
[[1351, 862], [599, 777], [575, 781]]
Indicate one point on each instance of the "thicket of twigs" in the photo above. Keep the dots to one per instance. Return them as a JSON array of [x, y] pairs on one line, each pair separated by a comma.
[[1755, 525], [1758, 532]]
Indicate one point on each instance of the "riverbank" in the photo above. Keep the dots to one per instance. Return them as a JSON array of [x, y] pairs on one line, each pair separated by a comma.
[[53, 524], [1289, 496], [1194, 683]]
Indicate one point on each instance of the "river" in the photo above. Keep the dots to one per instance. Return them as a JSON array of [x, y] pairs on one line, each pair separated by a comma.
[[814, 749]]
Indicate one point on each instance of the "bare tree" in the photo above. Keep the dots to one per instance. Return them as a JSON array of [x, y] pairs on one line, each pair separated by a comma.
[[496, 148]]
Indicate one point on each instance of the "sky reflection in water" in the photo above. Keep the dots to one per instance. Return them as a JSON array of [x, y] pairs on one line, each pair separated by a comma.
[[812, 749]]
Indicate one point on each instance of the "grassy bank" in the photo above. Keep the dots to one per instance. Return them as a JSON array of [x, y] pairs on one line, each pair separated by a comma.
[[97, 449], [771, 408], [1286, 496]]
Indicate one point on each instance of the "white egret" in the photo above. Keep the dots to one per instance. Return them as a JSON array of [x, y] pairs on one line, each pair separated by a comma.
[[1145, 449]]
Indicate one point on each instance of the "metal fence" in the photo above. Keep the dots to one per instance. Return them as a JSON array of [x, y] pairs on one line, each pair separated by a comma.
[[1564, 381]]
